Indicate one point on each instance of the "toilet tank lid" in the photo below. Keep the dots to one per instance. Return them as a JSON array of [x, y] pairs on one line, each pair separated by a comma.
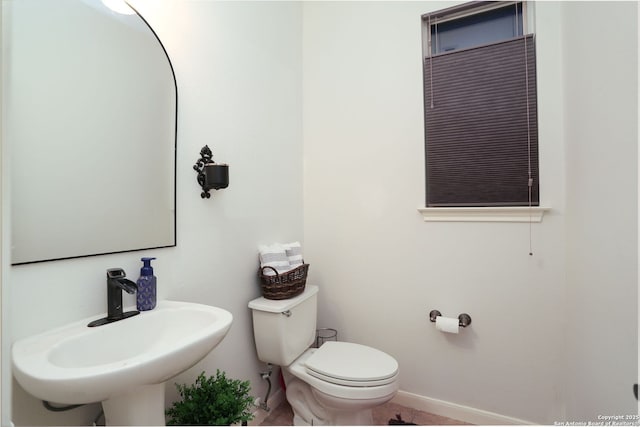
[[278, 306]]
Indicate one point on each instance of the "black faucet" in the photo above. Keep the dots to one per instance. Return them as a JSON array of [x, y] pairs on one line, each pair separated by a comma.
[[116, 283]]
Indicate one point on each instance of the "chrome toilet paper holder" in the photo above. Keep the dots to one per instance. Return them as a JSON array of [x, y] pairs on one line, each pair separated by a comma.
[[464, 319]]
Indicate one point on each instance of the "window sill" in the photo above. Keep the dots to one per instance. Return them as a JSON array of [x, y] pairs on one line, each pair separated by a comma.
[[485, 214]]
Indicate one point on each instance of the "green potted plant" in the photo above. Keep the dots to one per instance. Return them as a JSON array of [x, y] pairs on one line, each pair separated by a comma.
[[212, 401]]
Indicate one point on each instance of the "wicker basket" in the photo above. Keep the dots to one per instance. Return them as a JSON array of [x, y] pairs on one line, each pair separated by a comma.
[[283, 286]]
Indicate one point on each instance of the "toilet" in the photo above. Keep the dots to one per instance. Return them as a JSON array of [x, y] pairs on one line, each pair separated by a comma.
[[337, 384]]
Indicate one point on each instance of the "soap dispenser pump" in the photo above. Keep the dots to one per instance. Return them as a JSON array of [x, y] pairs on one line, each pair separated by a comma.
[[146, 295]]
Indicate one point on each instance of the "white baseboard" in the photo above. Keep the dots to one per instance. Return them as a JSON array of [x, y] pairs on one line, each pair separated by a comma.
[[455, 411], [259, 415]]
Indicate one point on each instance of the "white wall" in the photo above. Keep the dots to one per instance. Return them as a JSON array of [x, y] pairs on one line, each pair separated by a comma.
[[382, 269], [5, 342], [239, 81], [601, 113]]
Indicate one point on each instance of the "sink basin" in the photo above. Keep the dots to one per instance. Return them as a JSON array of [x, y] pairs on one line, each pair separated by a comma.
[[123, 364]]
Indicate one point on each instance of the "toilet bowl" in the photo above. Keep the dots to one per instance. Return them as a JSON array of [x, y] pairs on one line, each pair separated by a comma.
[[345, 392], [337, 384]]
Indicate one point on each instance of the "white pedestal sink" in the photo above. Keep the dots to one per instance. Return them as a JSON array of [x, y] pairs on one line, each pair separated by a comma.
[[123, 364]]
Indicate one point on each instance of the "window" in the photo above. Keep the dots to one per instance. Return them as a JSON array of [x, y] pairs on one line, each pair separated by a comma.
[[481, 136]]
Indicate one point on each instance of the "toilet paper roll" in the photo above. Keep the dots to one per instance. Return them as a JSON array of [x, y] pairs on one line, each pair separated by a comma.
[[447, 324]]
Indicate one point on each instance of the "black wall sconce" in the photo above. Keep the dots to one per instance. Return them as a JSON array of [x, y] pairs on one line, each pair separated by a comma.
[[211, 175]]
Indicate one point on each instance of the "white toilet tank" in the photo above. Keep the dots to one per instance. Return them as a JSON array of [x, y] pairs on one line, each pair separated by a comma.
[[284, 329]]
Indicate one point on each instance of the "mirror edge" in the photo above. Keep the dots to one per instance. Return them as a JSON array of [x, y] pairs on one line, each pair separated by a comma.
[[175, 159]]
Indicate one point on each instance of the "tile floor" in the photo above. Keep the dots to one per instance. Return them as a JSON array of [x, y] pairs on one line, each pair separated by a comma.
[[283, 416]]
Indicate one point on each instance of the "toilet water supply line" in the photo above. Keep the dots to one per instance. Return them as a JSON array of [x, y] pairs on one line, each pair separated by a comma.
[[266, 375]]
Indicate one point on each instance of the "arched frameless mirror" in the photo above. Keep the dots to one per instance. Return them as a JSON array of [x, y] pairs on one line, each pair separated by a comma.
[[91, 109]]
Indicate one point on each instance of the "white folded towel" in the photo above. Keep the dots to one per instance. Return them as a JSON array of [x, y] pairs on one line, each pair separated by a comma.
[[274, 256], [294, 254]]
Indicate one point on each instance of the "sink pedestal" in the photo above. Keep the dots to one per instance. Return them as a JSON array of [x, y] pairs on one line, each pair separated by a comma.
[[141, 406]]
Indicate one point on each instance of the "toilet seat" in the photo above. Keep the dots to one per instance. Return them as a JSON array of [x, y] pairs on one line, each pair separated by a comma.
[[360, 392], [351, 364]]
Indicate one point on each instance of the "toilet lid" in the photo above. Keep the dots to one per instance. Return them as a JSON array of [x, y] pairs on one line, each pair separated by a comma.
[[351, 364]]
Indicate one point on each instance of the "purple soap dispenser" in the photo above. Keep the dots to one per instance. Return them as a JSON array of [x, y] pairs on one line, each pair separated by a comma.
[[146, 295]]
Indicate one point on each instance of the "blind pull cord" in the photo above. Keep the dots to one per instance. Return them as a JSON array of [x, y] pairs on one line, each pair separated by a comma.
[[530, 181], [431, 60], [517, 26]]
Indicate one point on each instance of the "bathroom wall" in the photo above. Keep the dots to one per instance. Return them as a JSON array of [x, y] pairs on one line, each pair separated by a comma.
[[381, 269], [5, 342], [238, 67], [601, 112]]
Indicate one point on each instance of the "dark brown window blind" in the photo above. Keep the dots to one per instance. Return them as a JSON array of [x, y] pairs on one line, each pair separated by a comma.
[[480, 137]]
